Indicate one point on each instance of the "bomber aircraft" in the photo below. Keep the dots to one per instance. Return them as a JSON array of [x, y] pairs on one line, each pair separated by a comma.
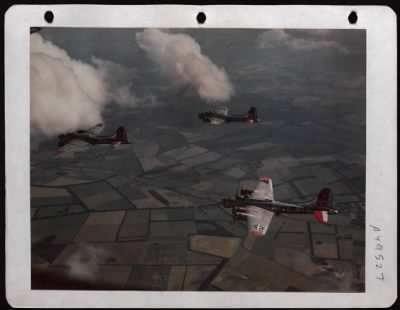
[[73, 141], [221, 115], [258, 206]]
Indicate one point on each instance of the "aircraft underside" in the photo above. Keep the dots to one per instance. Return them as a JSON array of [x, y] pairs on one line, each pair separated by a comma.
[[238, 204]]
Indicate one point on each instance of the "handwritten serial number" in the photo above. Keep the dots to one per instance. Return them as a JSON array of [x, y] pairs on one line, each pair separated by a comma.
[[379, 259]]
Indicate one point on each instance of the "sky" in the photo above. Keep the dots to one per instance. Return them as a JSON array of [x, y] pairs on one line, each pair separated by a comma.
[[167, 76]]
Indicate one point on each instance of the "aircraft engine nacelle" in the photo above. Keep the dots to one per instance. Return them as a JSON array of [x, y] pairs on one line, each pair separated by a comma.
[[239, 214]]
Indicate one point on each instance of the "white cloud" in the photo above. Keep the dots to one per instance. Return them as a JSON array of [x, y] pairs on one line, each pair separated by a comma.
[[67, 94], [181, 59], [83, 264]]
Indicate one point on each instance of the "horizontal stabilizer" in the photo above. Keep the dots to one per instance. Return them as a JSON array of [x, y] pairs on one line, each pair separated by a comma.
[[115, 143]]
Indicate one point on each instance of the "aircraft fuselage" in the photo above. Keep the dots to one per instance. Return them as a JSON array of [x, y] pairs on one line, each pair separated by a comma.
[[67, 138], [207, 117], [239, 205]]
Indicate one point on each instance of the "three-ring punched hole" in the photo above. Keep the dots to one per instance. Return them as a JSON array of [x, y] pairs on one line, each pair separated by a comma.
[[49, 16], [201, 18], [353, 17]]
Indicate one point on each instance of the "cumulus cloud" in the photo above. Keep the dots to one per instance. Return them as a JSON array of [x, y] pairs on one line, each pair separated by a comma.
[[180, 58], [68, 94], [314, 40], [83, 264]]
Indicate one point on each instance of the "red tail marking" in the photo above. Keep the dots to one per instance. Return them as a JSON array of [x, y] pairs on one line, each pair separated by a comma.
[[318, 216], [323, 202], [321, 216]]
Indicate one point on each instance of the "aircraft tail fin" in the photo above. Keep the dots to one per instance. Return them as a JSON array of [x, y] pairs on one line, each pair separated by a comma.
[[251, 115], [121, 135], [324, 200]]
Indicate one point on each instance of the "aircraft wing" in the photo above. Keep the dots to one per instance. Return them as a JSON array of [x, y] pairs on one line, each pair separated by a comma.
[[222, 111], [72, 146], [258, 220], [263, 191], [95, 130], [216, 121]]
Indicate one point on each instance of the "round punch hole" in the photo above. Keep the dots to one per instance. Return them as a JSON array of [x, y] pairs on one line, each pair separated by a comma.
[[49, 16], [201, 18], [353, 17]]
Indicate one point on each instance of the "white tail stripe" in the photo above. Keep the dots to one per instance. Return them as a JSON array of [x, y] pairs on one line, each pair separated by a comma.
[[324, 216]]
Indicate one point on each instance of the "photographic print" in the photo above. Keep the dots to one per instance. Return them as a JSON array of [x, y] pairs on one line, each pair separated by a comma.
[[182, 159]]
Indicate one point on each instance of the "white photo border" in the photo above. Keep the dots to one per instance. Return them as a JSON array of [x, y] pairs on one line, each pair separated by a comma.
[[381, 146]]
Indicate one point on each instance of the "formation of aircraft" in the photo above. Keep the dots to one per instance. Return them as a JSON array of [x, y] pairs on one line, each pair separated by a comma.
[[258, 206], [73, 141], [221, 115]]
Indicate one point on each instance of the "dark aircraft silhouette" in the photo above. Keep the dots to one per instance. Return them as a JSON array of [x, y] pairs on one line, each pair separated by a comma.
[[221, 116], [73, 141], [258, 206]]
